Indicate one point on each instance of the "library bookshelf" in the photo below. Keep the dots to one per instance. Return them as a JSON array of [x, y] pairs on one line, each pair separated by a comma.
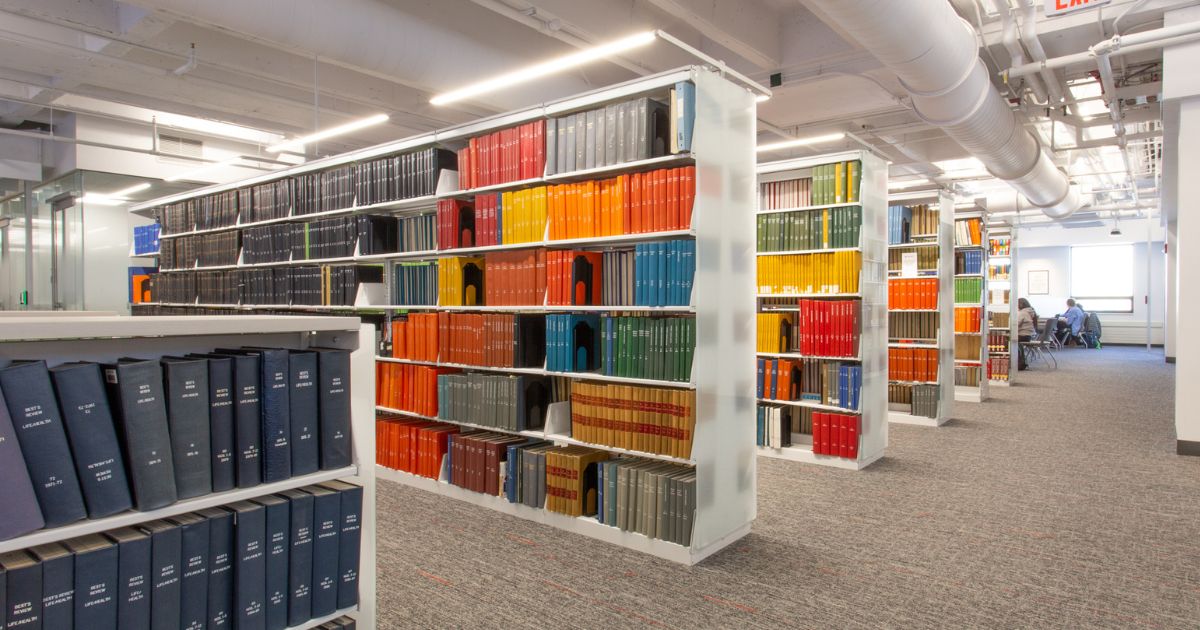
[[795, 204], [1003, 344], [721, 153], [106, 338], [970, 305], [921, 252]]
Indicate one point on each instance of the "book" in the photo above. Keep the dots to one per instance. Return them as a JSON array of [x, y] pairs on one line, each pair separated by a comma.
[[278, 541], [333, 399], [326, 530], [247, 418], [96, 570], [195, 545], [274, 391], [303, 397], [220, 567], [408, 387], [23, 592], [39, 428], [820, 273], [349, 541], [415, 336], [249, 565], [140, 410], [492, 339], [134, 578], [166, 557], [647, 419], [58, 585], [223, 431], [22, 513], [185, 384], [300, 556], [913, 294]]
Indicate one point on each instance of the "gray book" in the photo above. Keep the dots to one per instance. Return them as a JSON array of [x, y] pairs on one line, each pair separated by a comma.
[[601, 140], [570, 145], [580, 140], [589, 152], [687, 506], [620, 135], [632, 124], [560, 150], [551, 146], [610, 134], [622, 496]]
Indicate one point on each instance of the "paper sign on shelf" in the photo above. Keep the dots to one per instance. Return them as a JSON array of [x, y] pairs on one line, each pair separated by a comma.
[[1062, 7], [908, 265]]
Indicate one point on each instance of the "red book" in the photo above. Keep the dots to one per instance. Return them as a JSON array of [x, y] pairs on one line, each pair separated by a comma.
[[852, 437], [818, 429], [675, 201], [689, 194]]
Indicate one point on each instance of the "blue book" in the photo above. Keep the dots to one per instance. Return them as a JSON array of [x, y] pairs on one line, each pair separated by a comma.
[[327, 527], [759, 381], [23, 592], [220, 567], [683, 110], [95, 600], [661, 273], [166, 549], [58, 585], [221, 421], [249, 565], [300, 557], [278, 536], [499, 219], [774, 366], [133, 578], [21, 512], [195, 547], [689, 271], [762, 412], [303, 408], [333, 369], [349, 541], [276, 407]]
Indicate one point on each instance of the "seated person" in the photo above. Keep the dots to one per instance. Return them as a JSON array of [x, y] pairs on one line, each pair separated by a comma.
[[1027, 321], [1072, 320]]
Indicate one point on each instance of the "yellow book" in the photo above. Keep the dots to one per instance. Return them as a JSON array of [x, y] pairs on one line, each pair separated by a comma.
[[852, 181], [540, 228], [839, 178]]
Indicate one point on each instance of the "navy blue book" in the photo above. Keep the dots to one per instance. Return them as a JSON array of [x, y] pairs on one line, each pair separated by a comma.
[[133, 578], [58, 585], [222, 432], [300, 556], [166, 556], [96, 572], [247, 419], [194, 559], [249, 566], [185, 382], [3, 595], [21, 513], [140, 409], [276, 420], [303, 407], [39, 429], [349, 541], [93, 438], [333, 369], [327, 524], [278, 535], [220, 567], [23, 591]]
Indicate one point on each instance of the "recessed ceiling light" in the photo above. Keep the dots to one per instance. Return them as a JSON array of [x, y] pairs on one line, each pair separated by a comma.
[[775, 146]]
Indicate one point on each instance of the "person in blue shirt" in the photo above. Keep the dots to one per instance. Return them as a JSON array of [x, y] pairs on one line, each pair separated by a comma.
[[1073, 319]]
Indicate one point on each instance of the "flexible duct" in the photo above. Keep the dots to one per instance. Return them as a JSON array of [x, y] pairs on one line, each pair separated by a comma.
[[949, 86]]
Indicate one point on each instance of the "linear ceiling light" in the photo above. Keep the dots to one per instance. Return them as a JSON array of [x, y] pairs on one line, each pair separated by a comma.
[[908, 183], [553, 66], [787, 144], [328, 133], [125, 192]]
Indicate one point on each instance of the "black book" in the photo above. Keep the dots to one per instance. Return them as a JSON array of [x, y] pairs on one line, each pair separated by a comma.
[[300, 557], [333, 369], [277, 536], [223, 434], [247, 418], [194, 560], [249, 566], [21, 513], [220, 567], [23, 591], [303, 404], [39, 429], [185, 382], [93, 438], [58, 585], [349, 541], [166, 556], [276, 422], [327, 512], [133, 578], [140, 409], [96, 574]]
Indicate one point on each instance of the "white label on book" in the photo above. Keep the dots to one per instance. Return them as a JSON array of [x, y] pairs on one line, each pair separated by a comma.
[[908, 265]]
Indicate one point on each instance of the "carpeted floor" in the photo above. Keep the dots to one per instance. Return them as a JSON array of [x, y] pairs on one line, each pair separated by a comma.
[[1058, 503]]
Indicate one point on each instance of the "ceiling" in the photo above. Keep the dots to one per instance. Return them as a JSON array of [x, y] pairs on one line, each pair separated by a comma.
[[291, 66]]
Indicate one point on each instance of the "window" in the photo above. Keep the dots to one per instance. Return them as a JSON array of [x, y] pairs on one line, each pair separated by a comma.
[[178, 145], [1102, 277]]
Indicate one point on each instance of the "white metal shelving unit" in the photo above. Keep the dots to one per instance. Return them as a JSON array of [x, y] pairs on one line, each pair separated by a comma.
[[997, 283], [105, 338], [975, 393], [872, 296], [944, 242]]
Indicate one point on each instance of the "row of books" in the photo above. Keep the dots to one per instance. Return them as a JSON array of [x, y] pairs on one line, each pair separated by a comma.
[[998, 368], [918, 400], [493, 219], [968, 290], [633, 203], [826, 328], [511, 278], [908, 222], [408, 387], [967, 375], [836, 434], [263, 202], [829, 184], [999, 320], [507, 155], [1000, 245], [906, 326], [415, 337], [614, 134], [395, 177], [774, 425], [827, 382], [999, 271], [997, 341], [927, 258], [968, 232], [492, 339], [330, 189], [968, 319], [913, 364], [912, 293], [660, 348], [968, 261], [513, 402], [278, 561], [1000, 297], [415, 283], [145, 239], [206, 212], [78, 444], [647, 419], [204, 250], [307, 285], [809, 229], [655, 499], [834, 272], [516, 278], [967, 347]]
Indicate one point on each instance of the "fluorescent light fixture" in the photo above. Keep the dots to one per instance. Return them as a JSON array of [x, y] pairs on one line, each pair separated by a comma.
[[908, 183], [203, 169], [328, 133], [800, 142], [125, 192], [102, 200], [762, 98], [524, 75]]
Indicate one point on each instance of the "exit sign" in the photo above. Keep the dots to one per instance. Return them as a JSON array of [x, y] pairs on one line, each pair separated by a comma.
[[1060, 7]]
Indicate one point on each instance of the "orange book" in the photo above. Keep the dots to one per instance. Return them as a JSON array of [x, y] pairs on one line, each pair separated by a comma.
[[634, 213], [675, 201], [688, 190]]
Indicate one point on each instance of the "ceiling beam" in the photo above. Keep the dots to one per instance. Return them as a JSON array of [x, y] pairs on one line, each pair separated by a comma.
[[748, 28]]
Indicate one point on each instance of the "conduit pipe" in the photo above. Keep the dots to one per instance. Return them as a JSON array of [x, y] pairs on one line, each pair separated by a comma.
[[950, 89], [1016, 55], [1033, 44], [1115, 46]]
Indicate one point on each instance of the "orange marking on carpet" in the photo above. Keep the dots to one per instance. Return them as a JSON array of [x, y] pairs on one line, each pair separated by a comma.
[[725, 602], [433, 578]]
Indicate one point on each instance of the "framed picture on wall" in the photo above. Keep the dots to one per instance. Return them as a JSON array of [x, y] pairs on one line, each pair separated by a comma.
[[1039, 282]]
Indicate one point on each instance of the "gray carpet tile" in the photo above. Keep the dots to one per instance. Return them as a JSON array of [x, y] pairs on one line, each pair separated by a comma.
[[1058, 503]]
